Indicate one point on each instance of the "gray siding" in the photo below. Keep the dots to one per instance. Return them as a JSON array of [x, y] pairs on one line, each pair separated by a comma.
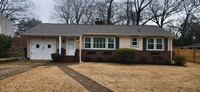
[[6, 27]]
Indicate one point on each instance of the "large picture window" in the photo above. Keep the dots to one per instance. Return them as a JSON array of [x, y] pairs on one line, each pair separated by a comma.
[[99, 42], [155, 44]]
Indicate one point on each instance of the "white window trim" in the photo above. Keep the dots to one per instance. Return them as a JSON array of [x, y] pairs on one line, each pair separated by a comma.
[[137, 42], [155, 44], [91, 42], [106, 42]]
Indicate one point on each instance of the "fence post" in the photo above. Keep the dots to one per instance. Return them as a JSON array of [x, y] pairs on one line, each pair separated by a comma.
[[178, 51], [194, 55]]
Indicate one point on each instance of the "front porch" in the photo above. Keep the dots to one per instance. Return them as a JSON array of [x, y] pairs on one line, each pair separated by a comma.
[[69, 47]]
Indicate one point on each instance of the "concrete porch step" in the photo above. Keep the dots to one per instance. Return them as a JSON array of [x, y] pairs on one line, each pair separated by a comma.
[[69, 59]]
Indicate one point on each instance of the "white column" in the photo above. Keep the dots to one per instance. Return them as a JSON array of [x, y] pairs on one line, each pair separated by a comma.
[[59, 46], [171, 41], [80, 48]]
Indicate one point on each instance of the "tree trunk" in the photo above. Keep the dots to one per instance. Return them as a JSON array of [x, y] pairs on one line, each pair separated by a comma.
[[109, 12]]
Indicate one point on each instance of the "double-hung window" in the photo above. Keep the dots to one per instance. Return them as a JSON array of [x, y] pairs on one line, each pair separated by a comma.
[[111, 42], [134, 41], [87, 42], [99, 42], [155, 44]]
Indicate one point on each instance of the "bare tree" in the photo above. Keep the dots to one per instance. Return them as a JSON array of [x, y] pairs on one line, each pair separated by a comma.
[[15, 9], [71, 11], [128, 12], [101, 10], [190, 8], [139, 6], [109, 12], [162, 10]]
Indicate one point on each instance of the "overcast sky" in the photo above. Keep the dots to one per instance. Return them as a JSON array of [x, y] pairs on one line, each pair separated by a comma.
[[43, 10]]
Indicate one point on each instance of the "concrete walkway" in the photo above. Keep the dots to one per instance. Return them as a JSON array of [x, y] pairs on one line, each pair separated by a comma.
[[86, 82]]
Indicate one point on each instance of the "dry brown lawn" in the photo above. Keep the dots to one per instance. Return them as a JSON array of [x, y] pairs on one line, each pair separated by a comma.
[[140, 78], [41, 79], [15, 67]]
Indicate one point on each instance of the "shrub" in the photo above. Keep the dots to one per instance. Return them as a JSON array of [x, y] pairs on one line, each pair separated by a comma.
[[56, 57], [126, 55], [5, 44], [179, 60]]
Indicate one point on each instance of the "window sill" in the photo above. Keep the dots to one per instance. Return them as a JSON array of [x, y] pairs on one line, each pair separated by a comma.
[[155, 50], [134, 45], [97, 49]]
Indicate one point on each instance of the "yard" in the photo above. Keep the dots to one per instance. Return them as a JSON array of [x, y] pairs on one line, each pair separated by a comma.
[[37, 78], [158, 78], [16, 67], [117, 77]]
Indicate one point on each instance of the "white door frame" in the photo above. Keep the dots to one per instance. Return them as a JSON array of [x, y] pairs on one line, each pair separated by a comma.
[[69, 51]]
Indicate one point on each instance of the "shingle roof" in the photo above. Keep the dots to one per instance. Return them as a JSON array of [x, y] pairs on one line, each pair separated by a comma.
[[76, 30]]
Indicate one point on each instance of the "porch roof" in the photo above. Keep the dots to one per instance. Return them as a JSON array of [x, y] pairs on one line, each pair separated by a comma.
[[47, 29]]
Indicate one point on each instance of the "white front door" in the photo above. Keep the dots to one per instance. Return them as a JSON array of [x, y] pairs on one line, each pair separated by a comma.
[[71, 47]]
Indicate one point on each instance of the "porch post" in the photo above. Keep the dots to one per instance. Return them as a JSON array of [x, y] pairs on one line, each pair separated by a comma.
[[171, 47], [59, 45], [80, 48]]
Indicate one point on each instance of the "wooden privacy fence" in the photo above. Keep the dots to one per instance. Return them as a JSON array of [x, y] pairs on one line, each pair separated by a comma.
[[191, 55], [19, 43]]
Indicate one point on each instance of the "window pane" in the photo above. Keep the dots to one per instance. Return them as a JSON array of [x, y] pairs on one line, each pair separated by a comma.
[[37, 46], [159, 40], [110, 46], [150, 46], [150, 40], [134, 39], [87, 45], [110, 39], [49, 46], [134, 43], [159, 46], [87, 39]]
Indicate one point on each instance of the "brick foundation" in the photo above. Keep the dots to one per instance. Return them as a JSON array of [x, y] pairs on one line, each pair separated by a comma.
[[157, 57]]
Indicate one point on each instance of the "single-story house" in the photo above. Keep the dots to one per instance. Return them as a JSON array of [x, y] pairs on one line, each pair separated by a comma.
[[84, 42], [6, 27]]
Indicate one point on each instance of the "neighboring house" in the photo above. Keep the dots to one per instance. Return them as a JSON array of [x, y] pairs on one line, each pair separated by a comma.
[[97, 41], [193, 46], [6, 27]]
